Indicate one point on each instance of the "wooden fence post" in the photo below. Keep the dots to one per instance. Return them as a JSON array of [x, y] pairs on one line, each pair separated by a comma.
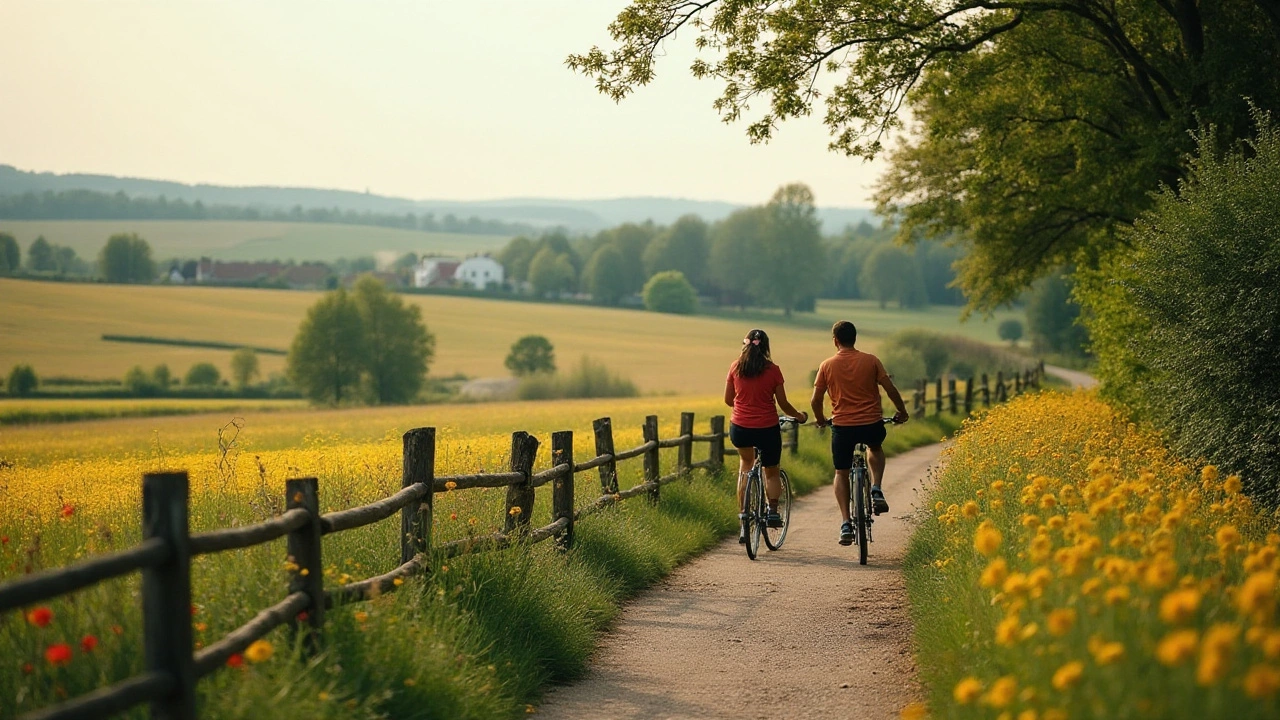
[[968, 396], [416, 517], [917, 400], [1017, 383], [1000, 390], [562, 487], [302, 546], [651, 457], [684, 453], [986, 391], [524, 450], [937, 397], [951, 394], [604, 446], [795, 439], [166, 594], [717, 445]]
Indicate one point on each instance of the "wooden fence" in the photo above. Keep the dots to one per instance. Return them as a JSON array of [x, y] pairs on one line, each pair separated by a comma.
[[975, 390], [173, 666]]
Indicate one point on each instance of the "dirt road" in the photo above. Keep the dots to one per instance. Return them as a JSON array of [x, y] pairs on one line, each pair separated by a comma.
[[1075, 377], [802, 633]]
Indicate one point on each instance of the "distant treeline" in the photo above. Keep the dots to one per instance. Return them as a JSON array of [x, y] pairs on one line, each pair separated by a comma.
[[178, 342], [91, 205]]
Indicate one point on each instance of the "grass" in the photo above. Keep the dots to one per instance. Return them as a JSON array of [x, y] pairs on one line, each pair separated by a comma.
[[57, 328], [479, 638], [27, 412], [1072, 566], [249, 240], [874, 322]]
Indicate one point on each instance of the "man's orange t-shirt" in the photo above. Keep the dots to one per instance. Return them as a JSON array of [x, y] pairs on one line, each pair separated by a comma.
[[852, 379]]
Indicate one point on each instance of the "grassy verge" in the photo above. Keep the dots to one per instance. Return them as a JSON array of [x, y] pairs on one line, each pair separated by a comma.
[[1073, 567], [479, 638]]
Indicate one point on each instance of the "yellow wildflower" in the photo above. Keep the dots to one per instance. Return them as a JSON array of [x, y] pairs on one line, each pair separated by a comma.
[[1257, 596], [1007, 631], [1232, 484], [987, 539], [361, 616], [994, 574], [914, 711], [1002, 692], [1262, 681], [1215, 653], [1060, 621], [1179, 606], [1228, 537], [970, 510], [1177, 647], [1068, 675], [259, 651], [967, 690], [1117, 595]]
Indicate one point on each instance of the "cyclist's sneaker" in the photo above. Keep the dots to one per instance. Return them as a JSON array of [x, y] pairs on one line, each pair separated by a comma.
[[846, 532], [878, 503], [742, 529], [773, 519]]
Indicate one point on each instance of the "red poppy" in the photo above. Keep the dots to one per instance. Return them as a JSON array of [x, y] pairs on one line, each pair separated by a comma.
[[235, 661], [88, 643], [302, 616], [28, 668], [58, 654], [40, 617], [117, 629], [194, 609], [4, 539], [68, 510]]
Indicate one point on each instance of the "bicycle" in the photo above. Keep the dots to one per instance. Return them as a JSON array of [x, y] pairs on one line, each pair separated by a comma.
[[755, 512], [860, 497]]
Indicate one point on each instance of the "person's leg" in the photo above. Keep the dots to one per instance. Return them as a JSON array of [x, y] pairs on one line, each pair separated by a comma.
[[842, 444], [746, 458], [875, 459], [841, 484], [772, 485]]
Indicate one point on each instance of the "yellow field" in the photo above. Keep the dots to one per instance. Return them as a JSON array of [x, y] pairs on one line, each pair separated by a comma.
[[248, 240], [56, 327], [62, 410]]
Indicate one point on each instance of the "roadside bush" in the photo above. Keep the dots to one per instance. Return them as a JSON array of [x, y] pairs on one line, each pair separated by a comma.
[[588, 379], [1186, 321], [904, 365], [140, 383], [1010, 330], [959, 355], [669, 292], [22, 381]]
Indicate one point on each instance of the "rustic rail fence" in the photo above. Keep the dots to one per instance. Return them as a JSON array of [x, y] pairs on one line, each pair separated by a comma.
[[174, 666], [976, 390]]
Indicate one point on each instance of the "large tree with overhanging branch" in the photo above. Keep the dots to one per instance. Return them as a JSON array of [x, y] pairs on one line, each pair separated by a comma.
[[1036, 126]]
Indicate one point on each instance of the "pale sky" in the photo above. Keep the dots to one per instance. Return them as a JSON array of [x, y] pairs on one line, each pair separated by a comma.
[[418, 98]]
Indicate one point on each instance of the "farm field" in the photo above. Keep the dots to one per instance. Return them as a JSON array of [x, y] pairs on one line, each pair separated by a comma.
[[874, 322], [249, 240], [57, 327], [51, 410]]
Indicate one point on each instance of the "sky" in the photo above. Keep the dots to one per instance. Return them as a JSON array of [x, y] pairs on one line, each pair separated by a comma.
[[424, 99]]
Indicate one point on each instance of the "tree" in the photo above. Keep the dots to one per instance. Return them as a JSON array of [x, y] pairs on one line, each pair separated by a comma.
[[682, 247], [10, 254], [1010, 330], [605, 276], [1043, 126], [126, 258], [669, 292], [244, 367], [22, 381], [1052, 316], [326, 357], [398, 347], [516, 258], [737, 254], [531, 354], [551, 273], [790, 249], [140, 383], [203, 375], [161, 376], [891, 273], [66, 261], [40, 256], [631, 240]]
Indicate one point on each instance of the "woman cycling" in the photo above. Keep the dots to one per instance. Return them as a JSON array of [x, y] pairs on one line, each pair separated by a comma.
[[751, 388]]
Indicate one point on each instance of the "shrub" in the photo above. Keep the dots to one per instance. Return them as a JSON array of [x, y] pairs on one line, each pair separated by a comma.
[[903, 364], [1010, 330], [140, 383], [1185, 321], [588, 379], [531, 354], [162, 377], [244, 367], [669, 292], [22, 381], [203, 374]]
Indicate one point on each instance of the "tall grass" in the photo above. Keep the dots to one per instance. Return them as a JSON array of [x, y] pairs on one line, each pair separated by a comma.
[[588, 379]]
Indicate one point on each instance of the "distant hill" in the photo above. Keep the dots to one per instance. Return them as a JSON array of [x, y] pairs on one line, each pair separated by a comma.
[[575, 215]]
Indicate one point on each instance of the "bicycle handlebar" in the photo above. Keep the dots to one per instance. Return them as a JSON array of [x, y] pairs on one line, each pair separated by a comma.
[[788, 420]]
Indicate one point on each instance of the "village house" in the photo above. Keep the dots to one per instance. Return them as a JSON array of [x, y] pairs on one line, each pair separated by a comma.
[[434, 272], [479, 272]]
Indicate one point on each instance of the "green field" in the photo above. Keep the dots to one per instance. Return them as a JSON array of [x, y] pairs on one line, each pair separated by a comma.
[[874, 322], [247, 240]]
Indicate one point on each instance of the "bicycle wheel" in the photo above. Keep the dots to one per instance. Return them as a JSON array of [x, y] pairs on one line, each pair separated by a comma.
[[755, 517], [860, 524], [774, 537]]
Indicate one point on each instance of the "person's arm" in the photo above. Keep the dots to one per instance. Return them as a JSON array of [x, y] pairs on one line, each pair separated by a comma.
[[780, 393], [729, 392], [896, 398], [815, 402]]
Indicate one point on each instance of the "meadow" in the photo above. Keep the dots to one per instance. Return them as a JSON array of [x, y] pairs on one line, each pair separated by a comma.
[[57, 410], [249, 240], [57, 327], [1073, 567]]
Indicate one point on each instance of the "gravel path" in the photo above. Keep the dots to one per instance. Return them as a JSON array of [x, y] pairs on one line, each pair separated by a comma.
[[1075, 377], [802, 633]]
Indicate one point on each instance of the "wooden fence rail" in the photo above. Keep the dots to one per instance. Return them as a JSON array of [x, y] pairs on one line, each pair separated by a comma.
[[173, 666], [966, 402]]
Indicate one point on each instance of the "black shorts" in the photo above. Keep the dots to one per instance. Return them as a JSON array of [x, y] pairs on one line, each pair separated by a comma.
[[845, 437], [768, 440]]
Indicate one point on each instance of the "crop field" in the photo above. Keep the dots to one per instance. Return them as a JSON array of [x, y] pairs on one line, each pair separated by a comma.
[[875, 322], [249, 240], [57, 328], [24, 411]]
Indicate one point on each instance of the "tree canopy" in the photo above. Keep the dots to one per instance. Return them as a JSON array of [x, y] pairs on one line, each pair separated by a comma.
[[10, 253], [126, 258], [1041, 126], [327, 356], [398, 348], [531, 354]]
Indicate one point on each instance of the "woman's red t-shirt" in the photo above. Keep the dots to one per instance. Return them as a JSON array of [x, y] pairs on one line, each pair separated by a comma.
[[753, 397]]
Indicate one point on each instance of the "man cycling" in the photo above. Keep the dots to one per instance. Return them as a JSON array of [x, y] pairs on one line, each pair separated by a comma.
[[853, 380]]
